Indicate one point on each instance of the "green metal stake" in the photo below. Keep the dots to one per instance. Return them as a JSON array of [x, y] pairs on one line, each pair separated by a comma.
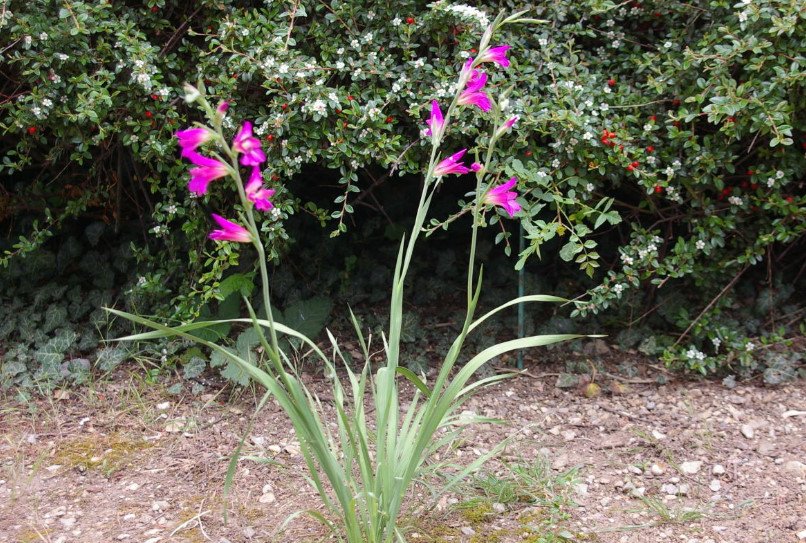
[[521, 292]]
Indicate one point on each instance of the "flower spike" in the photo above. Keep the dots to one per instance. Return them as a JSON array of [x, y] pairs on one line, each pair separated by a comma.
[[249, 145], [451, 165], [502, 196], [229, 231], [191, 138], [496, 54], [436, 123], [206, 170], [256, 193], [473, 93]]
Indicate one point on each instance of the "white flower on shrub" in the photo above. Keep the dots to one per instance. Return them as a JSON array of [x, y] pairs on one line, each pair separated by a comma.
[[700, 245], [736, 200], [779, 174], [694, 354]]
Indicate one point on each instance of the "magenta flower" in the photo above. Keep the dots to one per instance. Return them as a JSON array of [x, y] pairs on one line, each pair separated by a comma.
[[502, 196], [206, 170], [191, 138], [229, 231], [256, 193], [249, 145], [473, 95], [451, 165], [436, 123], [476, 166], [508, 124], [222, 108], [496, 54]]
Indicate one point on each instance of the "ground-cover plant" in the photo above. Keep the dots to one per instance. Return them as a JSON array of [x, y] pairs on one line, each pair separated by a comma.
[[362, 474]]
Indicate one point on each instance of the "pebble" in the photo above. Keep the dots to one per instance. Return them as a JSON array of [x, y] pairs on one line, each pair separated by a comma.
[[798, 468], [268, 497], [715, 485], [499, 507], [655, 469], [802, 534], [274, 448], [747, 431], [718, 469], [766, 448], [163, 406], [569, 435], [669, 489], [467, 530], [690, 468], [249, 532], [581, 489], [683, 489]]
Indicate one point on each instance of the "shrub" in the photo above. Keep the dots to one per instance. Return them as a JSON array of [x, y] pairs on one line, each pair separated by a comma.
[[658, 148]]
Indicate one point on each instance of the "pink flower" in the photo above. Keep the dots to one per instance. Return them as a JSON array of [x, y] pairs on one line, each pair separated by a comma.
[[222, 108], [476, 166], [451, 165], [508, 124], [496, 54], [473, 95], [249, 145], [206, 170], [191, 138], [229, 231], [256, 193], [502, 196], [436, 123]]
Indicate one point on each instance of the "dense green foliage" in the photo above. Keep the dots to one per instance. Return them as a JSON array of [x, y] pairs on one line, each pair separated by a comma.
[[658, 148]]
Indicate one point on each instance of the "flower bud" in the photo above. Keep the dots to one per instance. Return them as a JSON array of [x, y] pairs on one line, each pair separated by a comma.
[[191, 93]]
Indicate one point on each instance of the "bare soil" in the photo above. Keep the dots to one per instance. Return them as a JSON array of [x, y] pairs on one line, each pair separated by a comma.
[[688, 461]]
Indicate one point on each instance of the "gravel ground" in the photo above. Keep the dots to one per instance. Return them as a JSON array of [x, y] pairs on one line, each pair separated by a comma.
[[687, 461]]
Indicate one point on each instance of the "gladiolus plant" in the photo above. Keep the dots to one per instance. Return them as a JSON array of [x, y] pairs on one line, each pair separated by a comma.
[[362, 466]]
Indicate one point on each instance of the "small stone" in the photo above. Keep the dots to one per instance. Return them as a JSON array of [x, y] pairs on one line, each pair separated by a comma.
[[467, 530], [133, 487], [718, 469], [130, 516], [153, 540], [292, 449], [656, 470], [802, 534], [690, 468], [121, 537], [159, 505], [669, 489], [560, 462], [163, 406], [766, 448], [268, 497], [569, 435], [638, 492], [249, 532], [715, 485], [658, 435], [274, 448], [499, 507], [748, 431], [581, 489], [798, 468], [634, 469], [683, 489]]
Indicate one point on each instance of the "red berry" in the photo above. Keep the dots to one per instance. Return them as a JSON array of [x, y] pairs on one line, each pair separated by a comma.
[[410, 20], [730, 119], [528, 153], [270, 137], [155, 97], [284, 106], [611, 82], [634, 164], [154, 9], [754, 186], [389, 119], [658, 189], [620, 147], [676, 102], [676, 124], [149, 114], [790, 199], [750, 172], [32, 130], [350, 97], [630, 168], [650, 149], [473, 50], [726, 191], [653, 118]]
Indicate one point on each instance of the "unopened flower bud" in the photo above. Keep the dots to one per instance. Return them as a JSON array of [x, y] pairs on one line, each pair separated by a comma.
[[476, 167], [191, 93]]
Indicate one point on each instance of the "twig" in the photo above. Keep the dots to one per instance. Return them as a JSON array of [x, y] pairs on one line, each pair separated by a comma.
[[631, 381], [711, 304], [194, 518], [617, 412], [525, 373]]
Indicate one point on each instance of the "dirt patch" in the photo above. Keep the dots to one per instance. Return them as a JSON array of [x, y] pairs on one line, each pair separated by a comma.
[[686, 461]]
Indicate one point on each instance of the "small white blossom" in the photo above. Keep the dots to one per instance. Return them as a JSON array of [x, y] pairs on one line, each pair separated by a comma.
[[770, 182], [555, 163], [283, 68], [717, 342], [396, 21], [618, 288], [736, 200], [319, 106], [607, 89], [171, 209], [62, 56], [543, 42], [370, 15], [695, 354], [47, 102], [141, 281], [749, 346], [27, 41], [587, 136], [648, 127], [355, 44], [669, 171], [651, 160], [589, 187], [742, 16], [604, 107], [43, 36], [339, 65], [700, 245], [779, 174]]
